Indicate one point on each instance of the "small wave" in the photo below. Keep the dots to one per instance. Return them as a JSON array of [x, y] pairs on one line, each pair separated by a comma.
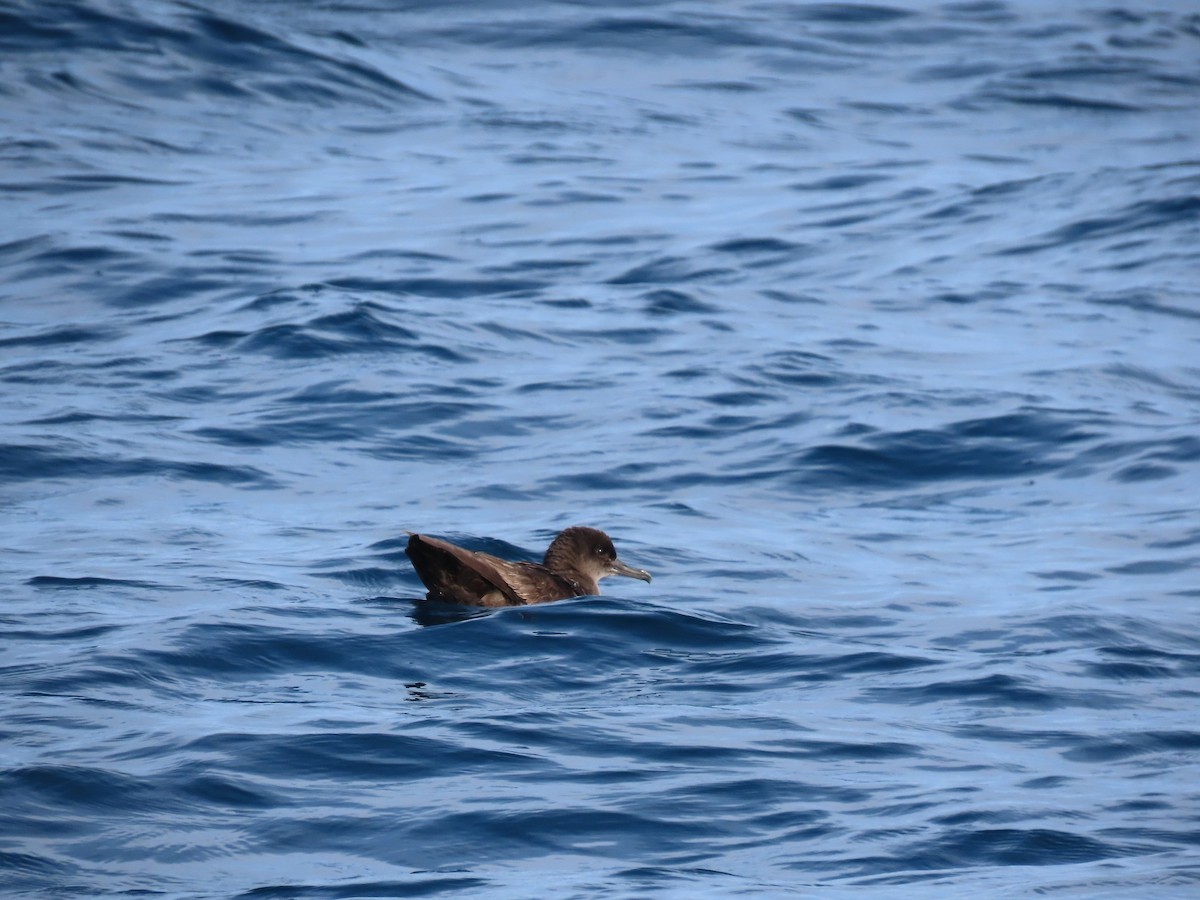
[[442, 288], [201, 54], [957, 848], [417, 885], [1000, 691], [32, 462], [666, 270], [84, 582], [1157, 215]]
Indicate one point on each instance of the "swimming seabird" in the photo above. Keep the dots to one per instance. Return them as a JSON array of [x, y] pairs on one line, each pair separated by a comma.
[[574, 564]]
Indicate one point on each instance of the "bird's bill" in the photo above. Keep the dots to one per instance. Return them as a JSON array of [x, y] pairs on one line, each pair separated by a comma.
[[619, 568]]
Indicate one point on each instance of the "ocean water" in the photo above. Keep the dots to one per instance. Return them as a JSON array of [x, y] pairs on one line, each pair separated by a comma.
[[871, 329]]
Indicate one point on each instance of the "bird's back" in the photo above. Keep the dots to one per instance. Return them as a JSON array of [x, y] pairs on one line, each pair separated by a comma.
[[458, 575]]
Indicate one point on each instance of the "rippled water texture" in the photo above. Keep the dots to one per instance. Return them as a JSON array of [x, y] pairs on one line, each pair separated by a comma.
[[871, 330]]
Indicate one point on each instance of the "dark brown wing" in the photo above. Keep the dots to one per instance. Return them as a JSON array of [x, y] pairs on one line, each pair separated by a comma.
[[535, 583], [459, 575]]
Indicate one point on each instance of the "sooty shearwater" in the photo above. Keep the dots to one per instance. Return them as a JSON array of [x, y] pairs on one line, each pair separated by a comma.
[[574, 564]]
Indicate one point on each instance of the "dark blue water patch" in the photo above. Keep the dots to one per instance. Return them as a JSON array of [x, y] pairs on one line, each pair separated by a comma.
[[998, 691], [739, 399], [668, 270], [55, 262], [245, 584], [724, 87], [839, 182], [617, 636], [74, 183], [237, 651], [428, 613], [391, 547], [1012, 445], [442, 288], [873, 106], [537, 265], [843, 750], [443, 840], [1111, 749], [66, 26], [84, 790], [625, 628], [77, 417], [1091, 71], [723, 425], [206, 55], [1046, 782], [32, 463], [293, 433], [760, 799], [28, 870], [565, 197], [647, 34], [358, 331], [424, 447], [527, 652], [677, 880], [490, 197], [85, 634], [239, 219], [223, 792], [957, 71], [89, 581], [1178, 449], [1142, 805], [106, 679], [419, 885], [1146, 302], [395, 575], [1141, 376], [1162, 747], [54, 372], [795, 297], [13, 252], [381, 758], [633, 336], [1127, 670], [1068, 575], [56, 258], [385, 425], [1155, 566], [796, 368], [958, 848], [183, 284], [1157, 215], [1144, 472], [755, 246], [1025, 96], [671, 302], [1189, 538], [725, 671], [908, 459], [1055, 631], [1139, 660], [847, 13]]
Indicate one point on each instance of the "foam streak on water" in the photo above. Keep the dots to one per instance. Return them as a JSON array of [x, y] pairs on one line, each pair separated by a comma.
[[871, 330]]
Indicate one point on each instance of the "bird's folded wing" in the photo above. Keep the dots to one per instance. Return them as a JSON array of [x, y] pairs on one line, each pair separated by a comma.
[[455, 573], [468, 576]]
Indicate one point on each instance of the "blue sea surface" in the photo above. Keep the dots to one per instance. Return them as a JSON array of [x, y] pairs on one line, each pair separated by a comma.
[[871, 329]]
